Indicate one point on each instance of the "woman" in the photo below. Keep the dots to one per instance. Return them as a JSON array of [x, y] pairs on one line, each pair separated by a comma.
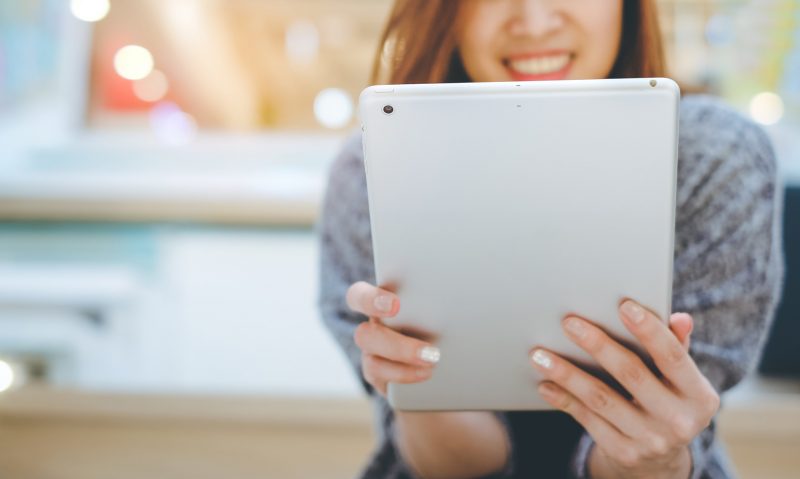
[[727, 268]]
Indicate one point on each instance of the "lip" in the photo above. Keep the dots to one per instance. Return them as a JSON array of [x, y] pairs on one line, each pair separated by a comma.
[[555, 75]]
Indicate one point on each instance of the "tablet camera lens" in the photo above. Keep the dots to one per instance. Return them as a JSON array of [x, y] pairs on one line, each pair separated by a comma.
[[388, 109]]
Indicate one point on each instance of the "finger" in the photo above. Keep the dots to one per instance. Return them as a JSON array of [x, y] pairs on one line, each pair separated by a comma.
[[375, 338], [372, 301], [681, 324], [603, 433], [667, 352], [379, 371], [625, 366], [592, 393]]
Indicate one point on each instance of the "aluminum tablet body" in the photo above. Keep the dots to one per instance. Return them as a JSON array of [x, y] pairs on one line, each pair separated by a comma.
[[499, 208]]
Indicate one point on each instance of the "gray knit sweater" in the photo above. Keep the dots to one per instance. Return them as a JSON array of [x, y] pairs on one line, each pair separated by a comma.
[[728, 265]]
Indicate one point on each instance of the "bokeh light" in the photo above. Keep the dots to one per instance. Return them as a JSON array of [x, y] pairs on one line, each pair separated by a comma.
[[90, 10], [6, 376], [766, 108], [302, 42], [133, 62], [151, 88], [172, 125], [333, 108]]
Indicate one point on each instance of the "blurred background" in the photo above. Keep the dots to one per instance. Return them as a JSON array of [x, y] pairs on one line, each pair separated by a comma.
[[161, 169]]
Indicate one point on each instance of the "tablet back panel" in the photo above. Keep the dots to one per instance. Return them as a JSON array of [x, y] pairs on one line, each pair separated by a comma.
[[499, 208]]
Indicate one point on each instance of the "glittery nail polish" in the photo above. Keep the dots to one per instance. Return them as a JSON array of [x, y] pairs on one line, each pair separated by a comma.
[[430, 354], [542, 359]]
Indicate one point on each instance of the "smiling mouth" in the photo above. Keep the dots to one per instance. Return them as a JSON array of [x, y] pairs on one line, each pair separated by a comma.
[[539, 66]]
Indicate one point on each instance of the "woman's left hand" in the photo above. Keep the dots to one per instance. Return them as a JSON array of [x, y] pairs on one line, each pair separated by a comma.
[[647, 436]]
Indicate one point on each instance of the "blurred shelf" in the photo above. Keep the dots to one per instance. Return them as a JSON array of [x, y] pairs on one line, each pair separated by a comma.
[[69, 205], [221, 178], [272, 179], [83, 287]]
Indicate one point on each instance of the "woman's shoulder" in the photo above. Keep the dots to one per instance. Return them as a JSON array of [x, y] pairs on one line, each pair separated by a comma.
[[349, 159], [347, 167], [351, 152], [716, 139], [711, 128], [346, 189]]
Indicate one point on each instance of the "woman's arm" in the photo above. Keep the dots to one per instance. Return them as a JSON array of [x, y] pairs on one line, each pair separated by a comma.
[[453, 444], [447, 445], [729, 257], [728, 264], [435, 444]]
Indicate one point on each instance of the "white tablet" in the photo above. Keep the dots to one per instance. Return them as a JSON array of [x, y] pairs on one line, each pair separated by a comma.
[[499, 208]]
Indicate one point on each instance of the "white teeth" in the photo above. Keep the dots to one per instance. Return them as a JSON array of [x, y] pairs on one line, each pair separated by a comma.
[[541, 65]]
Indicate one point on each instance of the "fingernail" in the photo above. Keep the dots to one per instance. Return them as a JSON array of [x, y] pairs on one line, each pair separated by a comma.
[[383, 303], [575, 326], [424, 372], [430, 354], [542, 359], [633, 311]]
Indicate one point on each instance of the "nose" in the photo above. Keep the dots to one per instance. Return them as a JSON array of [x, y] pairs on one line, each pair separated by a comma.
[[535, 18]]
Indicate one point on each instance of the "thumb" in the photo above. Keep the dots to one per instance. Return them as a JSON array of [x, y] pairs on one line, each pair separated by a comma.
[[681, 325]]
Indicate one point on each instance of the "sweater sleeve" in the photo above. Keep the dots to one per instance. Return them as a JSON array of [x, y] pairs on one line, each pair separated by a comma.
[[345, 258], [728, 264]]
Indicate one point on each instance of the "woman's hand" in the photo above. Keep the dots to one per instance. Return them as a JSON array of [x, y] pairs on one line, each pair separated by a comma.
[[434, 444], [386, 355], [648, 435]]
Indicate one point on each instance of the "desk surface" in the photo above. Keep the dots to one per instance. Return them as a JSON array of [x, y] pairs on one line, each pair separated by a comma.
[[756, 406]]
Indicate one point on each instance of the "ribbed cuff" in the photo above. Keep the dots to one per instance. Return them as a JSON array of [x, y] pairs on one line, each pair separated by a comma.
[[699, 456], [580, 458]]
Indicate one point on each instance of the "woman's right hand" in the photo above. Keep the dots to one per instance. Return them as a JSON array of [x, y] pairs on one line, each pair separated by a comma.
[[438, 443], [387, 355]]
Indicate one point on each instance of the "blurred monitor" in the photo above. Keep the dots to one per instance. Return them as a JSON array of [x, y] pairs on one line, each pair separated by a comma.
[[782, 352]]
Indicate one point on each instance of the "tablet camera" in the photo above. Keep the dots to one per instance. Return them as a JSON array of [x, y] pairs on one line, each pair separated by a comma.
[[388, 109]]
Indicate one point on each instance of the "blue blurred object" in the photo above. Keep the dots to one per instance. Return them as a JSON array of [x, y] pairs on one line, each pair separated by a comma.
[[29, 34], [782, 352]]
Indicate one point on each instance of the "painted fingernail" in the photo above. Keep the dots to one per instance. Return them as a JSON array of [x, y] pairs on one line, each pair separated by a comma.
[[430, 354], [575, 326], [542, 359], [633, 311], [383, 303]]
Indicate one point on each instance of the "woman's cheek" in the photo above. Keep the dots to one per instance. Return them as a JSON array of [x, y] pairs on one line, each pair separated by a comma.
[[480, 25], [601, 22]]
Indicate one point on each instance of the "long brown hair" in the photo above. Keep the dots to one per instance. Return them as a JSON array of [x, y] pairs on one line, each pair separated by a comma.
[[418, 44]]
